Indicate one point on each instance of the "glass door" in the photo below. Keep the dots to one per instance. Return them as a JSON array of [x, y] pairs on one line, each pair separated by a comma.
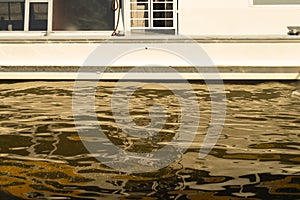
[[83, 15], [36, 15], [153, 14]]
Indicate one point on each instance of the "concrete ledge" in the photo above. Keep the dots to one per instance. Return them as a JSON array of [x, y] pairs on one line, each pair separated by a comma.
[[152, 69], [148, 73], [96, 39], [146, 76]]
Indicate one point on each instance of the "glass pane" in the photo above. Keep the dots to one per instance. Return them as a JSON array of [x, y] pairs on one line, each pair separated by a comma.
[[12, 16], [139, 1], [4, 14], [83, 15], [162, 23], [139, 6], [38, 16], [139, 14], [139, 23], [162, 14], [162, 6]]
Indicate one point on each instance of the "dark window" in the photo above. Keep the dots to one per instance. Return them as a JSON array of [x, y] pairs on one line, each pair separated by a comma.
[[38, 16], [83, 15], [12, 15]]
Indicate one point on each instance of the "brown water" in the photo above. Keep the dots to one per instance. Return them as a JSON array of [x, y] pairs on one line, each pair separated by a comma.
[[256, 157]]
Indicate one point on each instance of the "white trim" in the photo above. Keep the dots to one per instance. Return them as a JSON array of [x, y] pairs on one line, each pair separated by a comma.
[[50, 15], [25, 34], [27, 13], [121, 25], [126, 8], [150, 10], [81, 33], [175, 16]]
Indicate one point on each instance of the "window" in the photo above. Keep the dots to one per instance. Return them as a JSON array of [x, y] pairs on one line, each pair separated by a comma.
[[11, 15], [276, 2], [82, 15], [152, 14], [38, 19], [57, 15]]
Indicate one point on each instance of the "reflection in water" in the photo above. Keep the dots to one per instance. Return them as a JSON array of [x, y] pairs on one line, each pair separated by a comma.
[[257, 155]]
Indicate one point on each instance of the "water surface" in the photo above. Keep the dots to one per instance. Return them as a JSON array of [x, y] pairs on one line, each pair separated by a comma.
[[256, 157]]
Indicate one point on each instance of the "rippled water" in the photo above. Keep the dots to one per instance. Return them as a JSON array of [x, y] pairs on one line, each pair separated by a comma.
[[256, 157]]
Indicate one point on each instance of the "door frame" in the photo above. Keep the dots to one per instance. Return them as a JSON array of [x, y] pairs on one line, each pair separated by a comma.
[[27, 13], [150, 9]]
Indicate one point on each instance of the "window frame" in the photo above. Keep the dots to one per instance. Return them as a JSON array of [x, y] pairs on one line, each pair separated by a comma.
[[9, 19], [49, 30], [150, 26], [27, 14]]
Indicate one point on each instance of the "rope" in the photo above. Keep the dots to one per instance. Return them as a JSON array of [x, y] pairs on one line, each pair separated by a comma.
[[115, 5]]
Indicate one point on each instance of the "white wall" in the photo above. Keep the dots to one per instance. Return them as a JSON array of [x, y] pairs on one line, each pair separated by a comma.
[[234, 17]]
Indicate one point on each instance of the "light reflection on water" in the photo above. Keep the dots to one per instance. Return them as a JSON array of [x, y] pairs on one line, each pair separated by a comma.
[[257, 155]]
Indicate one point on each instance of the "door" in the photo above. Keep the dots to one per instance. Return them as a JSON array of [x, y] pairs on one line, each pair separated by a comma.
[[37, 15], [152, 14]]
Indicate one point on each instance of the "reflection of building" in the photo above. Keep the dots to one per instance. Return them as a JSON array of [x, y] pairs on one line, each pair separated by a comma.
[[65, 15], [84, 15], [11, 13], [239, 36]]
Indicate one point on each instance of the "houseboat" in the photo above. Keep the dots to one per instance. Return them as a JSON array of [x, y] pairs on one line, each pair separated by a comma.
[[197, 39]]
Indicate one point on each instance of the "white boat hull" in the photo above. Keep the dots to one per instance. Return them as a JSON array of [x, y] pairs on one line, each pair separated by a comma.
[[269, 58]]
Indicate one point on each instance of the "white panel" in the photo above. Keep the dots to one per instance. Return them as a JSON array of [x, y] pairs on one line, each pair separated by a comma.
[[198, 4], [242, 18], [222, 54]]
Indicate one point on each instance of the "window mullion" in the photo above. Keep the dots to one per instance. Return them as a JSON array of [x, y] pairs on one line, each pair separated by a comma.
[[151, 13]]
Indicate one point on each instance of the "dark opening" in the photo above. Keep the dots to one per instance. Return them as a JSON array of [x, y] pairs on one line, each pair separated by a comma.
[[84, 15], [38, 16]]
